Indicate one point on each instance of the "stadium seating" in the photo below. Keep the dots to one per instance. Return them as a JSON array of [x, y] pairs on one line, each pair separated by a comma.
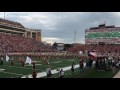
[[76, 48], [104, 48], [15, 43]]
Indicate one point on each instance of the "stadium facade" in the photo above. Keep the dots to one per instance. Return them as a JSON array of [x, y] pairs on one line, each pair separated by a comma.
[[11, 27], [102, 35], [60, 46]]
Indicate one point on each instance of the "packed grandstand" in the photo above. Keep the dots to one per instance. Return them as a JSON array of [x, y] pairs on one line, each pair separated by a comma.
[[13, 39]]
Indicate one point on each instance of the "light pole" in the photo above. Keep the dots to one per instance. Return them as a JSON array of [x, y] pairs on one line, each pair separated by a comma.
[[74, 36], [76, 27]]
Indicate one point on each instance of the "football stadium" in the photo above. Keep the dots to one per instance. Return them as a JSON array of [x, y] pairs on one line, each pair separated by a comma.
[[24, 55]]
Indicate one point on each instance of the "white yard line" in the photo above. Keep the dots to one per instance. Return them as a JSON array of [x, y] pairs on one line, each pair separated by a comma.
[[42, 74], [57, 62], [20, 67], [2, 70], [32, 65], [12, 73], [38, 61]]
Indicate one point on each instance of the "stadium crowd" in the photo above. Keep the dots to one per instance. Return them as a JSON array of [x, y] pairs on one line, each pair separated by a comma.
[[104, 48], [16, 43], [76, 48]]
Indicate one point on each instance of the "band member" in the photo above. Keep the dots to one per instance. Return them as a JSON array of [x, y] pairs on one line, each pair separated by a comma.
[[58, 72], [11, 61], [33, 63], [34, 74], [47, 71], [23, 63], [19, 60], [1, 60], [73, 68], [44, 60], [97, 64], [81, 65], [61, 73]]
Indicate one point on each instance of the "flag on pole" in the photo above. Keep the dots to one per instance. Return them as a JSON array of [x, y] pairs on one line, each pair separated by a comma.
[[92, 55], [7, 58], [48, 62], [28, 60]]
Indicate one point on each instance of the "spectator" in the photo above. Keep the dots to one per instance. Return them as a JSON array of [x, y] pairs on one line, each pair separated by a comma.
[[73, 68], [81, 65], [58, 72], [61, 73], [48, 71], [34, 74]]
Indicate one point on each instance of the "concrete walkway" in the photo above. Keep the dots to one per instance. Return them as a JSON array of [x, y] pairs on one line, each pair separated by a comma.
[[117, 75], [43, 74]]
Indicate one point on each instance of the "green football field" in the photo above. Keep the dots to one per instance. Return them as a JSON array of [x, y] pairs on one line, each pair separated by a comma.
[[17, 70]]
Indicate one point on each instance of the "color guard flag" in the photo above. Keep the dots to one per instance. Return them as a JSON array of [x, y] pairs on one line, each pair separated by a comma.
[[48, 62], [28, 60], [7, 58]]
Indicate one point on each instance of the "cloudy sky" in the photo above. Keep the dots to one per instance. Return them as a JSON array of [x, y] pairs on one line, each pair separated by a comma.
[[60, 26]]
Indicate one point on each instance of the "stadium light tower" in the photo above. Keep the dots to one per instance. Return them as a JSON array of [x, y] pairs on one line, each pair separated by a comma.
[[74, 36]]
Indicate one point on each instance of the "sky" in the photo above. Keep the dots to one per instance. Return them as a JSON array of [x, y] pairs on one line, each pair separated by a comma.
[[60, 27]]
